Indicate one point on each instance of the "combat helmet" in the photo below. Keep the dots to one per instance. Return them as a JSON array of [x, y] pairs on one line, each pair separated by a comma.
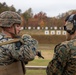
[[70, 24], [8, 18]]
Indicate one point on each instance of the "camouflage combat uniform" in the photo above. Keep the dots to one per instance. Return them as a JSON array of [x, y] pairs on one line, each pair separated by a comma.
[[14, 52], [14, 55], [64, 60], [17, 51]]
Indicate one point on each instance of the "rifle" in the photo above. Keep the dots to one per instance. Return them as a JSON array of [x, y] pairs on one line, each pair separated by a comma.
[[38, 53]]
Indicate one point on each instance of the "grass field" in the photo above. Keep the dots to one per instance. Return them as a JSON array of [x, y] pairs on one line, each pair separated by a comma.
[[36, 72], [48, 54]]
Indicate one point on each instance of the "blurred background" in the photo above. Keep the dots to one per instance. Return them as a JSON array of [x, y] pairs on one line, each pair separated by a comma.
[[48, 30]]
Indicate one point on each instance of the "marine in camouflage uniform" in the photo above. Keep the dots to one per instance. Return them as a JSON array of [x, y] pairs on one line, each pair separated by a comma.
[[64, 60], [13, 56]]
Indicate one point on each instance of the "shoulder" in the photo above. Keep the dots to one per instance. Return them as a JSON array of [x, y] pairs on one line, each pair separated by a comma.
[[66, 45], [72, 43], [1, 36], [61, 46]]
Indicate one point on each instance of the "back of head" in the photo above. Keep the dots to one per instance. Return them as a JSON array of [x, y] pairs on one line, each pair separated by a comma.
[[70, 25], [8, 18]]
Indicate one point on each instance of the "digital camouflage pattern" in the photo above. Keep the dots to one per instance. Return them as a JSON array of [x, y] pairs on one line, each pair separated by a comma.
[[64, 60], [17, 51], [8, 18]]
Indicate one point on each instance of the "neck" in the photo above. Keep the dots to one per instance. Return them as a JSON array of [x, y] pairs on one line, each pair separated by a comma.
[[7, 33]]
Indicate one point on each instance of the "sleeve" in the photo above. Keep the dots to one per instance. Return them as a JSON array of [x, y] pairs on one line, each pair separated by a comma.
[[27, 51], [58, 63]]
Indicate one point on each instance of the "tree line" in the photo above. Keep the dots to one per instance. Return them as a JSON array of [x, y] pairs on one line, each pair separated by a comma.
[[40, 19]]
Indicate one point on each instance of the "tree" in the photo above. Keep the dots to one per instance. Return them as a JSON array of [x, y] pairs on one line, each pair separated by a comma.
[[40, 15], [27, 15], [19, 11], [23, 21], [3, 7], [11, 8], [42, 24]]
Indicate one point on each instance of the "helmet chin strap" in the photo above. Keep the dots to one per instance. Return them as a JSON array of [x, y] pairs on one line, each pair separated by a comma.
[[14, 35]]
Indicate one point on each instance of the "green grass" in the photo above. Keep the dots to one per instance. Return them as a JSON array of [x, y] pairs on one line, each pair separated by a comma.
[[48, 54], [36, 72], [38, 62]]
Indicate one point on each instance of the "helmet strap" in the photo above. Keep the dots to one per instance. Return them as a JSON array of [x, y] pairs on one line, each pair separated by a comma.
[[14, 35]]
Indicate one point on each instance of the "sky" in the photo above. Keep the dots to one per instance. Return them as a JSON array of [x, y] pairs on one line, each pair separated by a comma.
[[50, 7]]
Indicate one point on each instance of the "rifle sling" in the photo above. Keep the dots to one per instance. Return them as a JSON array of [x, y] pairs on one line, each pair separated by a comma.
[[9, 42]]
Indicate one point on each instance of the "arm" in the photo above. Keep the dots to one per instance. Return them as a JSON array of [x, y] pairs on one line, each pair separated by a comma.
[[56, 66], [27, 51]]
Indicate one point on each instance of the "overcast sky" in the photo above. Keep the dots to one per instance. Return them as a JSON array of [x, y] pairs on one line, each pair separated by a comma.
[[50, 7]]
